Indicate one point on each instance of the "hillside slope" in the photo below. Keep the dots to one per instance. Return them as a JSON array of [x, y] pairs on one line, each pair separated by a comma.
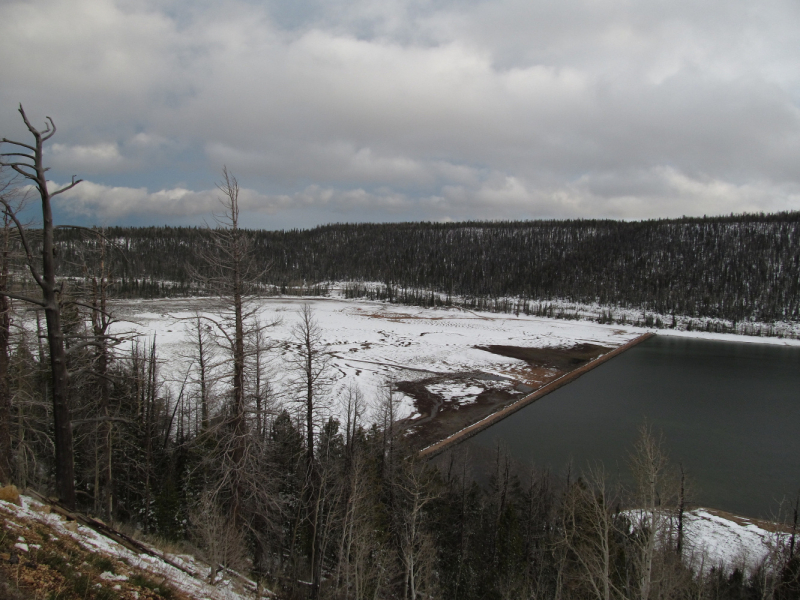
[[44, 554]]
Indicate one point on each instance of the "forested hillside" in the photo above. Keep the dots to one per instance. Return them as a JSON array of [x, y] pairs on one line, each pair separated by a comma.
[[737, 267]]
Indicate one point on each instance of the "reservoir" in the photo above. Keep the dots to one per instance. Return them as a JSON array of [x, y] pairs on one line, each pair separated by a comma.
[[729, 412]]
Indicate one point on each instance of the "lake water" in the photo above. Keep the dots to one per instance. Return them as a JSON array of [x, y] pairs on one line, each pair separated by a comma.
[[730, 412]]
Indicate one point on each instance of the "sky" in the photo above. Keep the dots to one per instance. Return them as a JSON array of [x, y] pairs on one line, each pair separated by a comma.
[[397, 110]]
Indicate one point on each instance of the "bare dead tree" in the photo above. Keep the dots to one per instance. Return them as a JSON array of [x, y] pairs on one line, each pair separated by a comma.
[[386, 416], [365, 564], [231, 344], [215, 533], [101, 321], [587, 530], [203, 368], [233, 253], [260, 373], [681, 513], [655, 498], [28, 161], [310, 364], [231, 272], [417, 551], [6, 456], [354, 405]]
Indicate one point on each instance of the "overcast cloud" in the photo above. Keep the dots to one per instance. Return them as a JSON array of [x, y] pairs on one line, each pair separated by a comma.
[[404, 109]]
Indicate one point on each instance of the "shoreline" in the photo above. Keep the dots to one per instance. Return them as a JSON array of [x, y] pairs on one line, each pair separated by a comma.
[[665, 331], [472, 430]]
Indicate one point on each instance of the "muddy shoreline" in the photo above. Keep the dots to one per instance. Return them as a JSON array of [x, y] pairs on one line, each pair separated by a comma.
[[493, 417]]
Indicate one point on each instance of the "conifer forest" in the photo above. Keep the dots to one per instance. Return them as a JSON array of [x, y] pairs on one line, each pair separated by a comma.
[[741, 267]]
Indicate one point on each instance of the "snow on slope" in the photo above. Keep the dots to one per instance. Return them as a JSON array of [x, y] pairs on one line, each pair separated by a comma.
[[713, 539], [374, 341], [196, 587]]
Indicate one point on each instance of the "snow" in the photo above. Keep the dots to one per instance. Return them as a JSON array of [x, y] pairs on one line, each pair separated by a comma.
[[374, 342], [713, 539], [755, 332], [195, 587], [463, 392], [728, 337]]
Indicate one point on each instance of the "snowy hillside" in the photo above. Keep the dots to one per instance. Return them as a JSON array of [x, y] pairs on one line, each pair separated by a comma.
[[736, 542], [51, 553]]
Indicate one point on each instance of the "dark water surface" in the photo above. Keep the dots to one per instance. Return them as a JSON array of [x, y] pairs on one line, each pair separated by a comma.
[[730, 412]]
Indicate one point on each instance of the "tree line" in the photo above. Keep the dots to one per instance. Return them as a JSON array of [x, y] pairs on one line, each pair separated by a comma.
[[740, 267]]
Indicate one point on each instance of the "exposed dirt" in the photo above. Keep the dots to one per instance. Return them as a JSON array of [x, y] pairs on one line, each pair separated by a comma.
[[439, 416], [563, 359]]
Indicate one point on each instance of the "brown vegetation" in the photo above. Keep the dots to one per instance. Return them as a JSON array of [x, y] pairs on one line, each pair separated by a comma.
[[56, 566]]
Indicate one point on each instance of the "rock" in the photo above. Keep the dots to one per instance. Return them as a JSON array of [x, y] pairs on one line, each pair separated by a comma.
[[10, 493]]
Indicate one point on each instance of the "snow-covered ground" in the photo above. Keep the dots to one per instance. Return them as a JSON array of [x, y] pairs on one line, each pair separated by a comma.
[[703, 327], [372, 342], [195, 585], [713, 539]]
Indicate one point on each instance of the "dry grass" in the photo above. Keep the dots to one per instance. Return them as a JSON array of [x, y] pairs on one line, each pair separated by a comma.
[[56, 567]]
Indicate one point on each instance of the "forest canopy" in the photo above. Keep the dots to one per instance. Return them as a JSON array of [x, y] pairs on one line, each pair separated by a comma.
[[737, 267]]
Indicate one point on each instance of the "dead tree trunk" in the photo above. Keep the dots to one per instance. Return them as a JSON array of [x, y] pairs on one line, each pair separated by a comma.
[[310, 364], [681, 511], [6, 461], [29, 163], [101, 321], [230, 262], [203, 374]]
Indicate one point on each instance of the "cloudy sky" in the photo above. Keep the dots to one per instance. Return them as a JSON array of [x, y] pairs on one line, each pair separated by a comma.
[[388, 110]]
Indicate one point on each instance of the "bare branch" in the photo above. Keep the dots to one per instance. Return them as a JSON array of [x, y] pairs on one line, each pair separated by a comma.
[[18, 169], [69, 187], [17, 154], [30, 127], [23, 238], [22, 298], [86, 344], [45, 135], [7, 141], [103, 419], [90, 307]]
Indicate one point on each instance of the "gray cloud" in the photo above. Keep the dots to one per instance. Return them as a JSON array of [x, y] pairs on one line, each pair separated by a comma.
[[403, 109]]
